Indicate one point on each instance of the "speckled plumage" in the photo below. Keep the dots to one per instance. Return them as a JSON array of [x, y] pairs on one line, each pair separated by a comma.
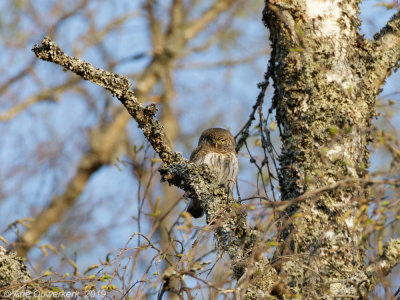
[[216, 148]]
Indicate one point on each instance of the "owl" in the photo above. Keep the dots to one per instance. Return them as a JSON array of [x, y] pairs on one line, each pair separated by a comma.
[[216, 148]]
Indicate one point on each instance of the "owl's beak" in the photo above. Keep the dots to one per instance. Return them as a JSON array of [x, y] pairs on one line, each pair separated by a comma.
[[216, 145]]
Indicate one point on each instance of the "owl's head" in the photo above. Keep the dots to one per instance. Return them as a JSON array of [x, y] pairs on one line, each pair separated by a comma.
[[218, 139]]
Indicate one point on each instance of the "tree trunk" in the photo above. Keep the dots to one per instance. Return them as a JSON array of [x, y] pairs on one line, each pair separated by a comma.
[[326, 78]]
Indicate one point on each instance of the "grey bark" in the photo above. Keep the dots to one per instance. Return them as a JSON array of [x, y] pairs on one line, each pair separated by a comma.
[[231, 230], [326, 79], [15, 280]]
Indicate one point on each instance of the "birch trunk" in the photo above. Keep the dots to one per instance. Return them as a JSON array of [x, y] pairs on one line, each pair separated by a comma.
[[326, 79]]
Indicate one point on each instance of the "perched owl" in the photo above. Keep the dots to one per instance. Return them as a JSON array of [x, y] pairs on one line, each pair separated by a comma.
[[216, 149]]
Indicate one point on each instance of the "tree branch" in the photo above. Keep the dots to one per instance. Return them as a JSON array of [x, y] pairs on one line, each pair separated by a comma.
[[6, 85], [48, 94], [119, 86], [193, 28], [385, 263], [103, 144], [15, 280], [155, 26], [232, 230], [177, 16], [91, 161], [386, 49]]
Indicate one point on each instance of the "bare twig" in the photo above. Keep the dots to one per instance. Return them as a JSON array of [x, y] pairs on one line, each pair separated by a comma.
[[233, 233]]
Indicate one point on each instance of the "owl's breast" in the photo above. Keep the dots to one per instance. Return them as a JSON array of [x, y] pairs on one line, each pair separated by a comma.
[[224, 165]]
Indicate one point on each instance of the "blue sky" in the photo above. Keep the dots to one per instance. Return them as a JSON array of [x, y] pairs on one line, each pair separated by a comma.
[[40, 147]]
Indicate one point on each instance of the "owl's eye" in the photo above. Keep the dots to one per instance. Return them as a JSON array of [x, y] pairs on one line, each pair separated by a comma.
[[223, 141]]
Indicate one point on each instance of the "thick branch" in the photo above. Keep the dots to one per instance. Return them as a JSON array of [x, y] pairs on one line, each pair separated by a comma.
[[120, 87], [386, 50], [386, 262], [232, 231], [96, 158], [155, 26], [177, 15]]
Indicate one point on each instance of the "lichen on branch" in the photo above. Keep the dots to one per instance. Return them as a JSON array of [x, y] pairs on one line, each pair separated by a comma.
[[232, 231]]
